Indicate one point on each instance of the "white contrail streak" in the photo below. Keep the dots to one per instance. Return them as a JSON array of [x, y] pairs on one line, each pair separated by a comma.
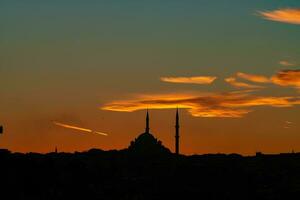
[[78, 128]]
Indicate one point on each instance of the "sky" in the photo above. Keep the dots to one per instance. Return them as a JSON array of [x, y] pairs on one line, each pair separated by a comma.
[[231, 67]]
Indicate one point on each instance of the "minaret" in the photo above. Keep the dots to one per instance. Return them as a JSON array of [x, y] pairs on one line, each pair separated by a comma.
[[177, 133], [147, 130]]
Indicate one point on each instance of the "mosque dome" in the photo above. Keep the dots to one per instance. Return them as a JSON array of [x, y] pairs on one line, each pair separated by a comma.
[[147, 144]]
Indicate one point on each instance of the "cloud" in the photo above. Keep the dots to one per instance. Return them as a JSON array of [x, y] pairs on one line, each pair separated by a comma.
[[282, 78], [253, 78], [286, 15], [153, 101], [287, 78], [286, 63], [230, 104], [232, 81], [193, 79]]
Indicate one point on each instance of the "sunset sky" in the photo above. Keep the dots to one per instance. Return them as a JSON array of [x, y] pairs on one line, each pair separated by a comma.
[[231, 67]]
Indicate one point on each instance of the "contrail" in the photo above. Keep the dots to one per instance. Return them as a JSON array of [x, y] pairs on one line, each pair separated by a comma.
[[78, 128]]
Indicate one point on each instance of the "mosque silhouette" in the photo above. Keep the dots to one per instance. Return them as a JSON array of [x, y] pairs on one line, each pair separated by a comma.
[[147, 144], [148, 170]]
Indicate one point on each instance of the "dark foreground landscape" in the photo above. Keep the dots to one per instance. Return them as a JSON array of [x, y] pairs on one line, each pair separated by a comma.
[[98, 174]]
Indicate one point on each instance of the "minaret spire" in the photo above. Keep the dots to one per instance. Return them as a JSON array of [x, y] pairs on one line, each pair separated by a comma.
[[177, 133], [147, 130]]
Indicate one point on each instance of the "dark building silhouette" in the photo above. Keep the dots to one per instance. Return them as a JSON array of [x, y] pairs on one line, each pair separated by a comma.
[[146, 143], [1, 129], [153, 174], [177, 133]]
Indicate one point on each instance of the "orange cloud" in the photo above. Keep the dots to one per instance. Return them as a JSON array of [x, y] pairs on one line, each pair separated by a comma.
[[232, 104], [193, 79], [287, 15], [263, 101], [287, 78], [253, 78], [232, 81], [281, 78], [154, 101]]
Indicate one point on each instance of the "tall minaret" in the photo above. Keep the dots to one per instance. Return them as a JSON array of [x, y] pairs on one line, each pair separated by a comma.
[[147, 130], [177, 133]]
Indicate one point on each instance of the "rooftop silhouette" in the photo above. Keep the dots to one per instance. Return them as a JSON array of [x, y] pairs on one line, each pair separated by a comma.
[[98, 174], [148, 170]]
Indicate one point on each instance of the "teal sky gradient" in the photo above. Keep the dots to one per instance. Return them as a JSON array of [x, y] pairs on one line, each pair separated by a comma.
[[62, 60]]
